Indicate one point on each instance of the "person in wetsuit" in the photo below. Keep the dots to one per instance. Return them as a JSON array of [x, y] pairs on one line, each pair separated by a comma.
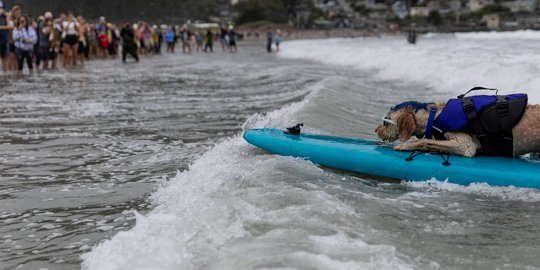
[[209, 40], [411, 37], [128, 42]]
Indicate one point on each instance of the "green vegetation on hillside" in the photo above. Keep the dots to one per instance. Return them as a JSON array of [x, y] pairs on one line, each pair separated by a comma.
[[261, 10], [275, 11], [118, 10]]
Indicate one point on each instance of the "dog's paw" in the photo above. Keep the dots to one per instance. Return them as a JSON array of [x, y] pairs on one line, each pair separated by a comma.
[[403, 147]]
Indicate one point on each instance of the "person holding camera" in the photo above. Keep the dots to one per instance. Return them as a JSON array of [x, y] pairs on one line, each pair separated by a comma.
[[24, 37], [70, 34], [45, 31]]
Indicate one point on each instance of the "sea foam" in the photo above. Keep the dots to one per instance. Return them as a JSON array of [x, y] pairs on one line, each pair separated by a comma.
[[447, 64], [233, 209]]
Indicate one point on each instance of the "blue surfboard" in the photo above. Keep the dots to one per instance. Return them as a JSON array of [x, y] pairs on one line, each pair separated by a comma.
[[378, 159]]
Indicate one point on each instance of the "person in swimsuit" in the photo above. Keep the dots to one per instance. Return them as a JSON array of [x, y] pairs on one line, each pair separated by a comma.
[[70, 33], [148, 41], [82, 51]]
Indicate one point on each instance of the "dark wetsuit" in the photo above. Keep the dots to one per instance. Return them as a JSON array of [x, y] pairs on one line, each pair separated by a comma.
[[209, 41], [128, 45], [269, 37], [4, 37]]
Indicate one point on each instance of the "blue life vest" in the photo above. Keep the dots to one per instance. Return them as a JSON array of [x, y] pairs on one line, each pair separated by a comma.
[[490, 118], [454, 118]]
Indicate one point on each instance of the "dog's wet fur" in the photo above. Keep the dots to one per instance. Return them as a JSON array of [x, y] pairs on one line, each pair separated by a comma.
[[411, 122]]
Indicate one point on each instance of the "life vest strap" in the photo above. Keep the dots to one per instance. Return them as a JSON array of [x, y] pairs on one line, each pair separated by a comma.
[[504, 112], [431, 119], [476, 125]]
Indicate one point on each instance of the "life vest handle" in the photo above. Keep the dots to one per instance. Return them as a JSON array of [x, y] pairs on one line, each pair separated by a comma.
[[479, 88]]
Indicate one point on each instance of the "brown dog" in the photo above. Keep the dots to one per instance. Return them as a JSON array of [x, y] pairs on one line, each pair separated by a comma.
[[405, 122]]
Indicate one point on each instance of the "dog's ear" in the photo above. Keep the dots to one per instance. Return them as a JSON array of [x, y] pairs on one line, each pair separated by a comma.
[[406, 125]]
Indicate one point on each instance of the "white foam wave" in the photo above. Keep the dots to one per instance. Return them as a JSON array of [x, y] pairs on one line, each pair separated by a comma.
[[352, 249], [449, 65], [207, 212], [521, 34], [482, 189], [229, 210]]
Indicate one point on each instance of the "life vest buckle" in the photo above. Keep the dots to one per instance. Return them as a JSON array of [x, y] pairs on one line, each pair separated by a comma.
[[468, 106], [502, 106]]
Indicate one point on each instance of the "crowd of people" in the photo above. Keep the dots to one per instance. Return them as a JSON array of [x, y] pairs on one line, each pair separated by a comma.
[[42, 42], [200, 41]]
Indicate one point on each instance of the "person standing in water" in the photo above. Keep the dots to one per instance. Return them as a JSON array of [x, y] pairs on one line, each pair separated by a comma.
[[70, 30], [170, 37], [82, 51], [185, 37], [25, 37], [223, 38], [277, 39], [209, 40], [158, 38], [232, 39], [13, 17], [5, 28], [128, 42], [199, 41], [411, 38], [43, 31], [269, 38], [103, 38]]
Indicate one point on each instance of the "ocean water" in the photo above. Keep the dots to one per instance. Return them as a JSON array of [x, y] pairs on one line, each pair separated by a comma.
[[144, 167]]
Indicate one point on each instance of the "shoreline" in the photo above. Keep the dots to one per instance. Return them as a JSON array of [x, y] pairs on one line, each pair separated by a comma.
[[352, 33], [249, 35]]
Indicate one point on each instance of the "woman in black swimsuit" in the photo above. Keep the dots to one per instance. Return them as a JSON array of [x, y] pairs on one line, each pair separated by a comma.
[[70, 34]]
